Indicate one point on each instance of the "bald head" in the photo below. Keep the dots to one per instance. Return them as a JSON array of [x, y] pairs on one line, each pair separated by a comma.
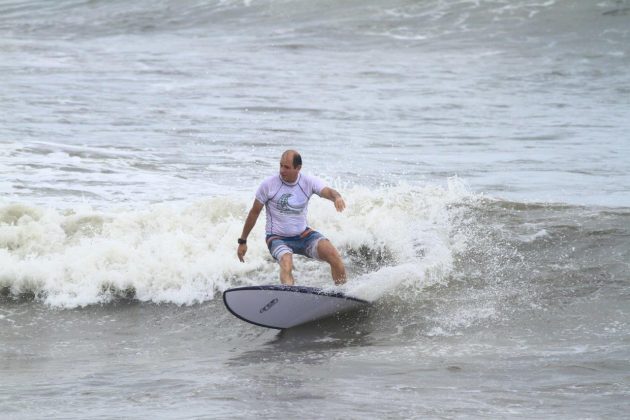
[[293, 156]]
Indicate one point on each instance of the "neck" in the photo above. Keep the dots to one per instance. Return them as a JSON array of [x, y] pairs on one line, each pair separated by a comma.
[[290, 181]]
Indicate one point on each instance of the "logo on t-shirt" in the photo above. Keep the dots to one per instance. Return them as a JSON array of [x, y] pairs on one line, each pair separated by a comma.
[[287, 208]]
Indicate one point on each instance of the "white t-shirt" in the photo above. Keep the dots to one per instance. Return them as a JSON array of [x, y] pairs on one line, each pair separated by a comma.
[[286, 204]]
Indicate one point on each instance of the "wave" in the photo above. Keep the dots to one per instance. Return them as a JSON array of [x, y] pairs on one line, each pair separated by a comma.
[[185, 254], [433, 260], [299, 23]]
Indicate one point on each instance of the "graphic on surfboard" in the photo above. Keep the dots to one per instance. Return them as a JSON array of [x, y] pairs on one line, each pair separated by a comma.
[[281, 307]]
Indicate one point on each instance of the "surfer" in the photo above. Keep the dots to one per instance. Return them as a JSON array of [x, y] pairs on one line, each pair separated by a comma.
[[285, 198]]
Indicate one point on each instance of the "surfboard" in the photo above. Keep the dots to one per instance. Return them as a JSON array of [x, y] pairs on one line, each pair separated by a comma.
[[281, 306]]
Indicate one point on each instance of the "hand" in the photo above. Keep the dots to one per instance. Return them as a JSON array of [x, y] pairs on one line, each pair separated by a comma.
[[242, 249], [340, 205]]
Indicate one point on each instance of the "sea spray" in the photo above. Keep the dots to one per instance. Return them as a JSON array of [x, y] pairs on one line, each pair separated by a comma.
[[416, 229]]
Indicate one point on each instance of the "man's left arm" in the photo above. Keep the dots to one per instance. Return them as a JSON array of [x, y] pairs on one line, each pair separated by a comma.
[[334, 196]]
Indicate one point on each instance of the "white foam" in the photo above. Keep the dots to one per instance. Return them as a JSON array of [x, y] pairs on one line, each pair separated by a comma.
[[186, 253]]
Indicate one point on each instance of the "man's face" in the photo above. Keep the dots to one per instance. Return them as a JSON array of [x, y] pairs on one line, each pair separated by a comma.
[[287, 171]]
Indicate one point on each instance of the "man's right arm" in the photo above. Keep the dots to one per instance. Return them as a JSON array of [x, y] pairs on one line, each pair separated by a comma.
[[254, 212]]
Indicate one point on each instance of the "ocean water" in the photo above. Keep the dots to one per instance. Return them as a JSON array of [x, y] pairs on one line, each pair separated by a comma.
[[482, 149]]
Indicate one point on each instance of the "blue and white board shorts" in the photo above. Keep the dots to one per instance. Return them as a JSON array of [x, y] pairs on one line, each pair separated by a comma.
[[303, 244]]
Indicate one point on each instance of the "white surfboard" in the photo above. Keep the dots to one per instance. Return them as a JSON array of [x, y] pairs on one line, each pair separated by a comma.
[[280, 306]]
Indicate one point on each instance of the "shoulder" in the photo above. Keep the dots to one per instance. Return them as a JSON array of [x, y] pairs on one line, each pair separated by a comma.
[[271, 180], [265, 188], [312, 183]]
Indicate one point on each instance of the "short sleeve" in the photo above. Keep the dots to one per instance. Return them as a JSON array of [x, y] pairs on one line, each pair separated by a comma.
[[262, 193], [317, 184]]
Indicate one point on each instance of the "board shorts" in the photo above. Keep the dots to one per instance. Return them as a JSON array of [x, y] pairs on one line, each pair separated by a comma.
[[302, 244]]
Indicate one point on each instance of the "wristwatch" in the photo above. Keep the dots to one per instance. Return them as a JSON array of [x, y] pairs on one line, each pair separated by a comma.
[[242, 241]]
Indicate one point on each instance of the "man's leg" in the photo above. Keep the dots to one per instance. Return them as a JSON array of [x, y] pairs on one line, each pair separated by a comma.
[[286, 269], [327, 252]]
